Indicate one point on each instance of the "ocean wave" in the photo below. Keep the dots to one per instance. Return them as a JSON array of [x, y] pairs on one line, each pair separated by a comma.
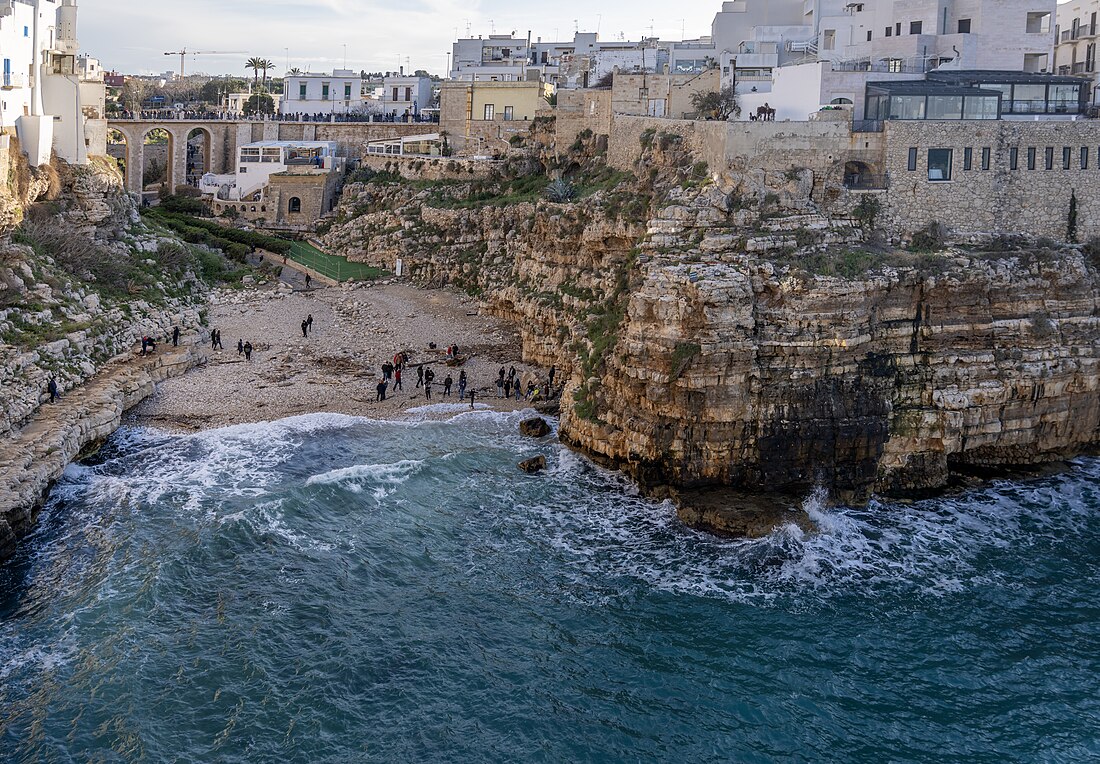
[[384, 478]]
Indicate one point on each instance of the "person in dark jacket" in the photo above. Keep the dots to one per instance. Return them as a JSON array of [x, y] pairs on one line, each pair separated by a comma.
[[51, 386], [175, 336]]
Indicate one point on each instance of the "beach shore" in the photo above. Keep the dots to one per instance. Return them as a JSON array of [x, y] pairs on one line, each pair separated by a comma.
[[337, 367]]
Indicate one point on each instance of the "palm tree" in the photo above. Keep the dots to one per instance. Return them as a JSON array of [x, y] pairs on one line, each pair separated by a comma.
[[256, 64], [294, 72], [266, 64]]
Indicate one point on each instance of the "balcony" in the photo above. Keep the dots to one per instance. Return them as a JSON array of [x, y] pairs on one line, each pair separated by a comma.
[[12, 81]]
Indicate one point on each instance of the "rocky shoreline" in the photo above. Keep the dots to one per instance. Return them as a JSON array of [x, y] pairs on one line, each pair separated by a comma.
[[36, 456]]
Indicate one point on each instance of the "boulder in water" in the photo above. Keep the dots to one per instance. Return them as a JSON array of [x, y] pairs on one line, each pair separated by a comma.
[[536, 427], [534, 465]]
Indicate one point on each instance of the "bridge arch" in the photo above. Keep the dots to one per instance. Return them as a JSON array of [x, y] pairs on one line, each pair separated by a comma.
[[198, 146], [157, 167]]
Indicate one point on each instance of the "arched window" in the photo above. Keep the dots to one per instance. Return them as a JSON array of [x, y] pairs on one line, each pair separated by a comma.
[[295, 205], [841, 102], [253, 208]]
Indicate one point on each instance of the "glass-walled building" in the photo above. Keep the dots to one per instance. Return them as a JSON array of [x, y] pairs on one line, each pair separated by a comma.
[[1024, 93], [930, 100]]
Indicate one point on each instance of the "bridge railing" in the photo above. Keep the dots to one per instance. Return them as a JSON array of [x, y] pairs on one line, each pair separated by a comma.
[[162, 115]]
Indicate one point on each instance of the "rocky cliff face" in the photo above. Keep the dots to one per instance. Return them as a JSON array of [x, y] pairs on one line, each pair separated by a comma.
[[721, 331]]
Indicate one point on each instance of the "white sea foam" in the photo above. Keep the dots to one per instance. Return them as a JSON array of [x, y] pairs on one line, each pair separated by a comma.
[[384, 479]]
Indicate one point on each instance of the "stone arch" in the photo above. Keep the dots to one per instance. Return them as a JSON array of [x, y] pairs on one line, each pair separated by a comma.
[[118, 147], [858, 174], [198, 157], [151, 139], [294, 205]]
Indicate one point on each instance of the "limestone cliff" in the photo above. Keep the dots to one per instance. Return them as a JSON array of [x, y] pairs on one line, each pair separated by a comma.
[[720, 330]]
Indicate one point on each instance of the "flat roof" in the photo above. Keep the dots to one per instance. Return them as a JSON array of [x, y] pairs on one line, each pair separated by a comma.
[[289, 144], [922, 87], [1007, 76]]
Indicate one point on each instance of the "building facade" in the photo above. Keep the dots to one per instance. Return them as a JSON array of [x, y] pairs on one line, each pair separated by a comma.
[[319, 94], [1077, 33], [403, 95], [46, 83]]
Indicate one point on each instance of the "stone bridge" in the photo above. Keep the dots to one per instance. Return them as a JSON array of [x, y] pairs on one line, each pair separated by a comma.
[[221, 140]]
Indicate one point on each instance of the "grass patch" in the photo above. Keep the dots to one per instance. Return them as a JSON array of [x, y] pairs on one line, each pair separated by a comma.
[[332, 266]]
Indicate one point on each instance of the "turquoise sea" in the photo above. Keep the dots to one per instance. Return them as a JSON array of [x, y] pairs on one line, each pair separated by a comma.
[[329, 589]]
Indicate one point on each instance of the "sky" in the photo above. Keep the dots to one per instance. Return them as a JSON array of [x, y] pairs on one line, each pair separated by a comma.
[[131, 36]]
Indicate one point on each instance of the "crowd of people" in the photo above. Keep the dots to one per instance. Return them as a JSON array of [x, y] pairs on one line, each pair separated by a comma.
[[225, 115]]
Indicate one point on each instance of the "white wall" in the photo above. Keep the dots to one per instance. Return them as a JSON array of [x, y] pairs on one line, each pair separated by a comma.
[[345, 94]]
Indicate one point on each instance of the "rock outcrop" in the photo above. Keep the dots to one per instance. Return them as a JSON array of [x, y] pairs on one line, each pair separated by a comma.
[[33, 458], [726, 332]]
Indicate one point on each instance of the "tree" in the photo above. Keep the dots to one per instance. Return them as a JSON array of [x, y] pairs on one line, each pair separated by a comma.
[[266, 64], [134, 93], [260, 103], [720, 104], [257, 65], [294, 72]]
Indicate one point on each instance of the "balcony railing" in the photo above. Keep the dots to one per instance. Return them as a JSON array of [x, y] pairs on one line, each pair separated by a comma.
[[866, 182], [11, 81], [868, 126]]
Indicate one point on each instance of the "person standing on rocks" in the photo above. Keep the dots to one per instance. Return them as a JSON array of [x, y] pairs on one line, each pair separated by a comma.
[[462, 384], [213, 339], [248, 351], [175, 336], [507, 389], [447, 386], [309, 322], [308, 281], [305, 329], [519, 389], [218, 339], [397, 380], [472, 394], [51, 386], [553, 370], [381, 388], [240, 348], [429, 377], [419, 376], [387, 371], [500, 384]]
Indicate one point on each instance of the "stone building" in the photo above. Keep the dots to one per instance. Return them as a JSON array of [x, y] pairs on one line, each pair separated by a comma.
[[481, 117], [1076, 35]]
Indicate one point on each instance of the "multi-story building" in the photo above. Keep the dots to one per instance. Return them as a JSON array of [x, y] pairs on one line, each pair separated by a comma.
[[318, 94], [497, 58], [403, 95], [481, 117], [43, 83], [1077, 33]]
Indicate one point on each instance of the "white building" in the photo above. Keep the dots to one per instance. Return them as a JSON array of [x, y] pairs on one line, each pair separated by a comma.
[[43, 81], [1075, 47], [257, 162], [318, 94], [406, 94], [497, 58]]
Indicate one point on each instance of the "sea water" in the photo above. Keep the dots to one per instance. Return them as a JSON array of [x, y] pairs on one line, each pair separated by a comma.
[[330, 589]]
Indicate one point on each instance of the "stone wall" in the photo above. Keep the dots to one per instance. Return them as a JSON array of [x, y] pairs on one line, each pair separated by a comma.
[[432, 168], [705, 140], [580, 110], [999, 199]]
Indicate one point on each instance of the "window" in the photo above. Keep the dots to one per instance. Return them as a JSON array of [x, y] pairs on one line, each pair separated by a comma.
[[897, 29], [1038, 22], [1084, 157], [490, 111], [829, 42], [302, 91], [915, 27], [250, 155], [895, 65], [1067, 157], [408, 94], [1050, 157], [508, 113], [964, 26], [868, 35], [347, 92], [945, 106], [26, 31], [968, 159], [939, 164], [294, 205], [1014, 158], [889, 32], [1031, 158], [394, 95], [912, 160], [987, 158], [324, 91]]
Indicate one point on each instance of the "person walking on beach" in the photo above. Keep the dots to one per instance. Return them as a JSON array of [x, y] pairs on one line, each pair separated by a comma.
[[507, 389], [240, 348], [387, 371], [309, 322], [213, 339], [51, 387], [175, 336], [248, 351], [462, 384], [447, 386], [397, 379], [381, 387], [519, 388], [218, 339], [500, 384], [305, 329], [429, 376], [472, 394], [512, 373], [419, 376], [308, 281]]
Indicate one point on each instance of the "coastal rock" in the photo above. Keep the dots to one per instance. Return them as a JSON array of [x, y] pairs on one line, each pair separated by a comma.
[[536, 427], [534, 465]]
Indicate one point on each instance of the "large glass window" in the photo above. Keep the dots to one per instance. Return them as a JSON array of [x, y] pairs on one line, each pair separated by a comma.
[[939, 164], [912, 160], [980, 107], [907, 107], [1064, 99], [945, 107], [1029, 99]]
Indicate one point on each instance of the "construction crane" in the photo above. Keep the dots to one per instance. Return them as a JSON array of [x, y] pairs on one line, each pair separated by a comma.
[[183, 54]]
